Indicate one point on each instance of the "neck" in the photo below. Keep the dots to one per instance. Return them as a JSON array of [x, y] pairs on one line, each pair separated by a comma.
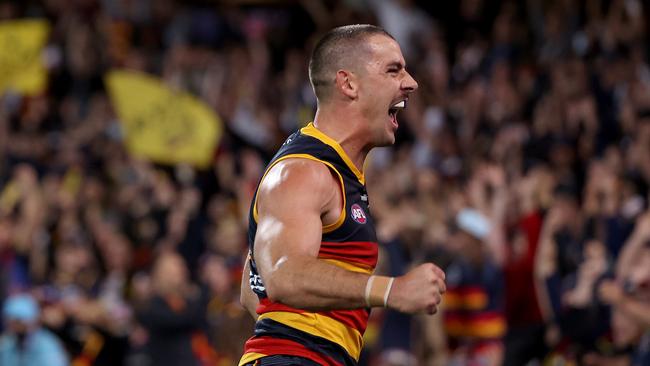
[[346, 131]]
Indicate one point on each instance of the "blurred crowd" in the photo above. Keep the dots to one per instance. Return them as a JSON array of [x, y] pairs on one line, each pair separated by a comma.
[[522, 168]]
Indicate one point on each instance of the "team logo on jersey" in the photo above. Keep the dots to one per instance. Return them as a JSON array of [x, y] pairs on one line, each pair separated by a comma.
[[357, 214], [256, 283]]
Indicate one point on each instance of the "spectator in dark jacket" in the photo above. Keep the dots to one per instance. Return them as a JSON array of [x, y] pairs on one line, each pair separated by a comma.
[[173, 314]]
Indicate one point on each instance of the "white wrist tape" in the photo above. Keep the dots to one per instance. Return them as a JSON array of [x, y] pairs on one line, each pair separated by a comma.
[[388, 288], [368, 287], [377, 290]]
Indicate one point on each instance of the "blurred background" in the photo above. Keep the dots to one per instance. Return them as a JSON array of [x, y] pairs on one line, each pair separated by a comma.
[[522, 167]]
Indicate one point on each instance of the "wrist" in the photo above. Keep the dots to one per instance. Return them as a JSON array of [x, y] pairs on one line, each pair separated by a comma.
[[377, 290]]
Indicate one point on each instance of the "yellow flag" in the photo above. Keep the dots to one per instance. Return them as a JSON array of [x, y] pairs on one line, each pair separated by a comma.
[[160, 124], [21, 64]]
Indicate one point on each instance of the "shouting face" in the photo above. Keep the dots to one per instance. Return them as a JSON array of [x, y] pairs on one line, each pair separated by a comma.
[[384, 89]]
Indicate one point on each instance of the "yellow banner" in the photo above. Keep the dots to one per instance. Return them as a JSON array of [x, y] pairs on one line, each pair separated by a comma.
[[21, 63], [160, 124]]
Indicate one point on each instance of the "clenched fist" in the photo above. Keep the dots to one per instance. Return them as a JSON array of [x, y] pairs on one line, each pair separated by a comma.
[[420, 290]]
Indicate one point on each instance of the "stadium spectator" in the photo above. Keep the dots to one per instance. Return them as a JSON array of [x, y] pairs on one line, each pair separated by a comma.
[[172, 313], [553, 94], [25, 342]]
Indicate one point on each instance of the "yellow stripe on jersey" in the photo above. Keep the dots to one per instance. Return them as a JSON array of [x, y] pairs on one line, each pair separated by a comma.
[[452, 301], [483, 328], [311, 130], [326, 228], [475, 301], [251, 356], [349, 266], [490, 328], [321, 326]]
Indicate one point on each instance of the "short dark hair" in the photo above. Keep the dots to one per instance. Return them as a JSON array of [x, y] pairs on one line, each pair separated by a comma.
[[336, 50]]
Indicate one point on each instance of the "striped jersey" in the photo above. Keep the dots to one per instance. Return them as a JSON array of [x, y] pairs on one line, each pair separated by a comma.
[[474, 304], [326, 337]]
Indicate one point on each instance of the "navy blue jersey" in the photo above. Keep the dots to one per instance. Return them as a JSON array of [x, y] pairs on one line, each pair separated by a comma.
[[327, 337]]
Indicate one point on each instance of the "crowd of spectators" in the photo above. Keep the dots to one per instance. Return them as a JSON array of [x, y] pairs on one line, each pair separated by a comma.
[[522, 168]]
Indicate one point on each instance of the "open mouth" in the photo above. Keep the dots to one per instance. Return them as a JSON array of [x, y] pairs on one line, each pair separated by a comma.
[[392, 111]]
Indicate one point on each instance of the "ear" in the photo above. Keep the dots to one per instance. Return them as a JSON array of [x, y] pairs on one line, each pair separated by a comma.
[[347, 84]]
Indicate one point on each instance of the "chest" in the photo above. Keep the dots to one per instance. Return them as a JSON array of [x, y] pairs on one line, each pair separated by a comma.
[[357, 223]]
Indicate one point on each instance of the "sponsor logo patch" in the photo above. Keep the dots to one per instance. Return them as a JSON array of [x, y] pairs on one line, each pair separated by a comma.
[[357, 214]]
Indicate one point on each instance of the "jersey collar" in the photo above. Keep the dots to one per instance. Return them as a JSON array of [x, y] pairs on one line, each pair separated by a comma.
[[311, 130]]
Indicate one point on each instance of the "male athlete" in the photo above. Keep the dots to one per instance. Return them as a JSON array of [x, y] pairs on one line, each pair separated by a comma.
[[313, 246]]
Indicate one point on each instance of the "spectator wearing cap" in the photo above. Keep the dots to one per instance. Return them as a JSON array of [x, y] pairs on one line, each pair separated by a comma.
[[473, 310], [25, 342]]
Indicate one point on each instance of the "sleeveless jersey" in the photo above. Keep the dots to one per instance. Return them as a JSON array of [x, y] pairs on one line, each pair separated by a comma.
[[326, 337]]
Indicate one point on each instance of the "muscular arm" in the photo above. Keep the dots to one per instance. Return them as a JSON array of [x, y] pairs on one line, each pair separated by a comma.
[[294, 201], [291, 200]]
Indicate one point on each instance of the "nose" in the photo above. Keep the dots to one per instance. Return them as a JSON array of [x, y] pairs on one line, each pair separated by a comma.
[[408, 83]]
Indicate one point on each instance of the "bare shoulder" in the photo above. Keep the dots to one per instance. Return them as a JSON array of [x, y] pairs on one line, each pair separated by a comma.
[[303, 180]]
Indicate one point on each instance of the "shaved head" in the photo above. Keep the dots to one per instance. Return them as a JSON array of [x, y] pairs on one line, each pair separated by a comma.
[[340, 48]]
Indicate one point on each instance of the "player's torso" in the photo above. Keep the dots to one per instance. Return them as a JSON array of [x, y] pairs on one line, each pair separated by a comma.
[[350, 243]]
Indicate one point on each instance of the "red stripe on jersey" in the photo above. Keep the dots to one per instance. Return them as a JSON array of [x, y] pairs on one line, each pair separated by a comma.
[[266, 306], [474, 316], [357, 319], [468, 290], [277, 346], [485, 316], [360, 252]]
